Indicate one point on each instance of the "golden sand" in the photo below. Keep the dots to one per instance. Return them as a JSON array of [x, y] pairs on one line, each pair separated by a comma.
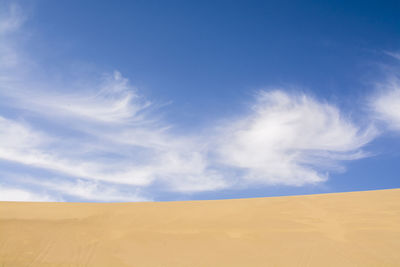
[[344, 229]]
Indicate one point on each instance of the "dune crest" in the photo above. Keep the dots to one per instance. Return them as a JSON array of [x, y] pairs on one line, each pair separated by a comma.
[[341, 229]]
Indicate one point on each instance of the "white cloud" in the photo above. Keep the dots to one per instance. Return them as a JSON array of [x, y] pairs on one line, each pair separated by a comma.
[[90, 190], [288, 138], [112, 100], [21, 144], [131, 149], [95, 191], [17, 194], [386, 103]]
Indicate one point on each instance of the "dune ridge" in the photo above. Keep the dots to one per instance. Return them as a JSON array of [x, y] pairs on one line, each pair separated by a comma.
[[339, 229]]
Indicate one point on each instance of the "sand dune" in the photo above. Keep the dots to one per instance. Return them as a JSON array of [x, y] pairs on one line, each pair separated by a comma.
[[345, 229]]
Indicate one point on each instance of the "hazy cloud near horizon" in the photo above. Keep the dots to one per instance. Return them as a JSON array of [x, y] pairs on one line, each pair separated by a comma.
[[101, 140]]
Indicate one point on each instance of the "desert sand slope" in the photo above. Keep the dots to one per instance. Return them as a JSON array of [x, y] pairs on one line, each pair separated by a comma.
[[345, 229]]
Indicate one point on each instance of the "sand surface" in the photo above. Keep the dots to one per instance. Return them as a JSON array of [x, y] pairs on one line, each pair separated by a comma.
[[345, 229]]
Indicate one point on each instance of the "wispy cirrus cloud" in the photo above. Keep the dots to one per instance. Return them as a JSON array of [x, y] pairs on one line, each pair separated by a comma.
[[101, 140], [385, 102], [289, 138], [110, 100]]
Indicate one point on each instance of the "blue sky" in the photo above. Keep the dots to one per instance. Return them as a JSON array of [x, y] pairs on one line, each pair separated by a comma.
[[181, 100]]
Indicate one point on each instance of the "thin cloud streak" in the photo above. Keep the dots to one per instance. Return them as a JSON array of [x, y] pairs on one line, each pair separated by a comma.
[[395, 55]]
